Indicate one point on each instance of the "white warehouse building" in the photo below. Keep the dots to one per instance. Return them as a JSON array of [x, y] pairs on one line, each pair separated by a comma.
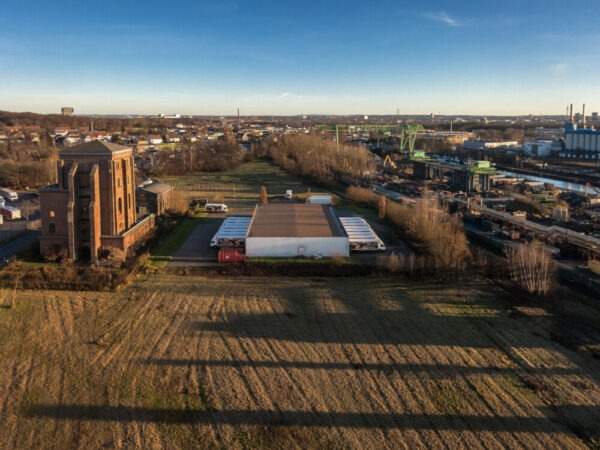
[[284, 230], [538, 148]]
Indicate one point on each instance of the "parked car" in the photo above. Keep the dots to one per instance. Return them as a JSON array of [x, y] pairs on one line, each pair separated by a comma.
[[215, 207]]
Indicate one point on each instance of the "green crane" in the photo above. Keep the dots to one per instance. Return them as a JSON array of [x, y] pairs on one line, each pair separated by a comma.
[[407, 134], [408, 138]]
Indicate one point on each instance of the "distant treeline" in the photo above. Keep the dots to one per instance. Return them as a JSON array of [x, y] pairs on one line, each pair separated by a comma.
[[223, 154]]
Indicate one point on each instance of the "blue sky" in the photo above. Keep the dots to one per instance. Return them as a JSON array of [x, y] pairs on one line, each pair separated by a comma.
[[289, 57]]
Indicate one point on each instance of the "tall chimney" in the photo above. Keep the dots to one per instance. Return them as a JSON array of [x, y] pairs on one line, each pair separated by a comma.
[[571, 114], [583, 114]]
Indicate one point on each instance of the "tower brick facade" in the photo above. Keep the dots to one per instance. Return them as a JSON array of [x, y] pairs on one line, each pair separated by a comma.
[[93, 204]]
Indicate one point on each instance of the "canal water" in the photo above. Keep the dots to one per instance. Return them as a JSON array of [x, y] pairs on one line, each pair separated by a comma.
[[564, 185]]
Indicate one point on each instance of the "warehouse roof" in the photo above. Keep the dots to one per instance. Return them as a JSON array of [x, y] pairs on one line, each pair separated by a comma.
[[294, 220]]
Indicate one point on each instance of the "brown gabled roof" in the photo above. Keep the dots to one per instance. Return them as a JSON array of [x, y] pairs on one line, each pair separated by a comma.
[[94, 148], [294, 220]]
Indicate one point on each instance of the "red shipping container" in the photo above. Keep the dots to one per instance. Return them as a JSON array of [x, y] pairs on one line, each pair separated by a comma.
[[231, 254]]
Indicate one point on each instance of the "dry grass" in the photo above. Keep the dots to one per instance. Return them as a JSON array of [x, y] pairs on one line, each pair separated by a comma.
[[362, 196], [188, 362]]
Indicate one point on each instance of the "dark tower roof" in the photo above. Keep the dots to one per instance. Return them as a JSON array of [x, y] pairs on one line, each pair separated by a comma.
[[94, 148]]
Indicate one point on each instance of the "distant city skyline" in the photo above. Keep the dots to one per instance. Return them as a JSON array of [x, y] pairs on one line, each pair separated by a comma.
[[288, 58]]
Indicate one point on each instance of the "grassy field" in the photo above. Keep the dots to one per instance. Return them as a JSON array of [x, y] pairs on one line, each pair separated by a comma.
[[243, 184], [191, 362]]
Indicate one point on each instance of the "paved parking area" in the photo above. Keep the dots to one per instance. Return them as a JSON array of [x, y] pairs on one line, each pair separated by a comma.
[[21, 243], [196, 250]]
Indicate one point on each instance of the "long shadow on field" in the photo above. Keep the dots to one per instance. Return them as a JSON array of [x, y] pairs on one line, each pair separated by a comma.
[[309, 418], [418, 314], [438, 371], [360, 327], [468, 320]]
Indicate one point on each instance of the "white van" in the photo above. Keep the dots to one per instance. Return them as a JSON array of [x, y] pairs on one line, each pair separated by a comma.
[[215, 207], [9, 195]]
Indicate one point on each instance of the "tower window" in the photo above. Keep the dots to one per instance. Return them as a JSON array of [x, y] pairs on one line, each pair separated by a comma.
[[120, 205], [51, 214], [52, 228]]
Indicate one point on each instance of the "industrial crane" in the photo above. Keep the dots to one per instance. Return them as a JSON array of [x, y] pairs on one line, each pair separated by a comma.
[[408, 137], [387, 162], [406, 133], [588, 186]]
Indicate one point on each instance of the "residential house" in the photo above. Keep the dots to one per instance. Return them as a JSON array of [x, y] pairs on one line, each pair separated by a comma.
[[172, 138], [155, 139]]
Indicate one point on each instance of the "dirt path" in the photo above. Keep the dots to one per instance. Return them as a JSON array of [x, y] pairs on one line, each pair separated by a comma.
[[181, 362]]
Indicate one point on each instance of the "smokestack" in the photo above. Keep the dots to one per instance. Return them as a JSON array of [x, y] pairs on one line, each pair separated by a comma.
[[583, 114], [238, 116], [571, 114]]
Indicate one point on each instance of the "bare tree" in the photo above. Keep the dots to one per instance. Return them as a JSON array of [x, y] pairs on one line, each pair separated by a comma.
[[28, 208], [322, 160], [532, 268], [180, 202]]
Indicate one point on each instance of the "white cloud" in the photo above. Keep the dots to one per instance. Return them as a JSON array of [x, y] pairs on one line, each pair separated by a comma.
[[558, 68], [285, 94], [443, 17]]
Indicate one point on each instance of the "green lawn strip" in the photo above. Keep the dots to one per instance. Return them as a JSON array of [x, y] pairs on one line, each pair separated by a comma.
[[175, 239]]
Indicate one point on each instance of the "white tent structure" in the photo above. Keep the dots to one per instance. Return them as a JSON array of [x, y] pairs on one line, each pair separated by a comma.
[[232, 232], [361, 235]]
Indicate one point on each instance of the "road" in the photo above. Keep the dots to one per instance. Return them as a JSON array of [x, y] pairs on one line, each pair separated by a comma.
[[196, 250], [19, 244]]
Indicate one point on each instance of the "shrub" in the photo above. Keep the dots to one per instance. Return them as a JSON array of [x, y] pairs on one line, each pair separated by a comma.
[[362, 195], [381, 206], [63, 277], [264, 197]]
